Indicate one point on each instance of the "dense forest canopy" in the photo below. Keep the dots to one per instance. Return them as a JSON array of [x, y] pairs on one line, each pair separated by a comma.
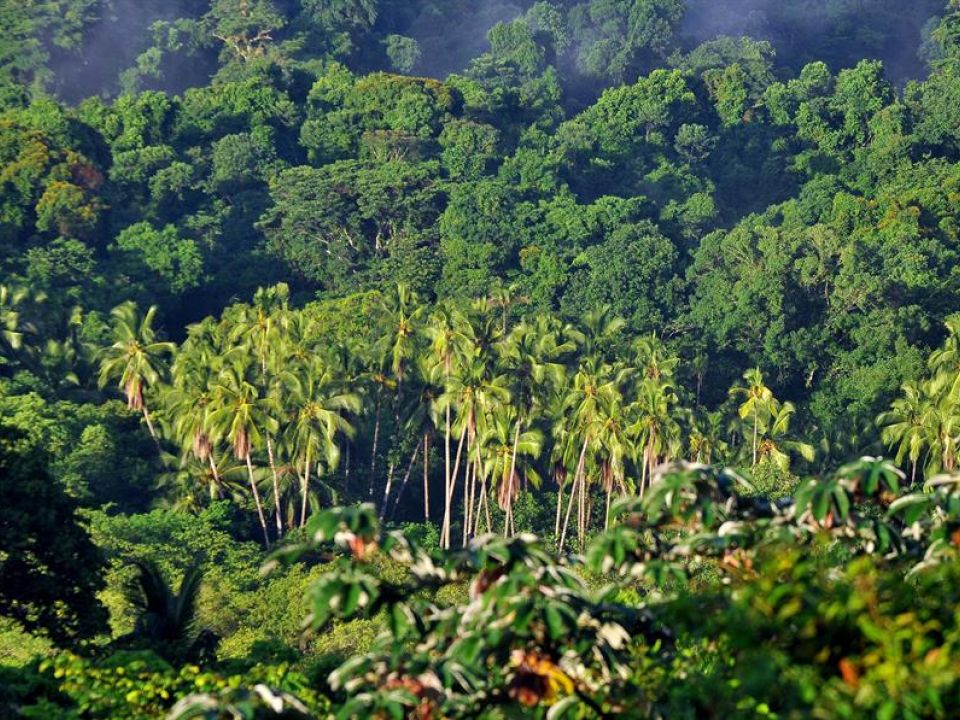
[[477, 264]]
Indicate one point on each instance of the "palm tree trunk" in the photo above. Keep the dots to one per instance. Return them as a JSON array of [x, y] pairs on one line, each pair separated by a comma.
[[216, 475], [448, 498], [468, 492], [426, 477], [556, 524], [305, 489], [276, 486], [153, 431], [256, 499], [580, 511], [513, 469], [606, 517], [403, 483], [577, 482], [386, 490], [566, 519], [376, 439], [446, 449], [486, 507]]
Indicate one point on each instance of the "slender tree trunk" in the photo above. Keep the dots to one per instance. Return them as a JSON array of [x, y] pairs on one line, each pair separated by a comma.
[[468, 493], [403, 483], [305, 489], [448, 498], [346, 474], [477, 514], [566, 519], [556, 524], [376, 439], [582, 525], [153, 431], [426, 477], [573, 492], [755, 422], [216, 475], [446, 450], [276, 486], [513, 468], [643, 471], [256, 500], [386, 490], [486, 507], [913, 472], [606, 517]]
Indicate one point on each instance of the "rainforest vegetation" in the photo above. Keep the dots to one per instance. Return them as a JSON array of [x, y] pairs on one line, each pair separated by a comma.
[[479, 358]]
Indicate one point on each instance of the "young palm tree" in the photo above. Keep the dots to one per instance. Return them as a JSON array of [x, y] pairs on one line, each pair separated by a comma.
[[757, 403], [902, 427], [166, 619], [777, 444], [136, 357]]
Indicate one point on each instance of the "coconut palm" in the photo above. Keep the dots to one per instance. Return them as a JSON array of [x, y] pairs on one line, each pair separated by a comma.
[[902, 427], [257, 325], [136, 358], [596, 389], [945, 361], [242, 416], [655, 427], [756, 406], [193, 485], [319, 422], [531, 355], [777, 444], [508, 455], [472, 393]]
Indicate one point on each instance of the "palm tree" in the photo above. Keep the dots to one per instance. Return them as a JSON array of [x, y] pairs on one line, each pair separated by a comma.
[[655, 425], [193, 484], [531, 355], [256, 325], [903, 427], [777, 445], [166, 619], [319, 404], [506, 454], [136, 357], [13, 299], [756, 405], [242, 417], [945, 361], [442, 352], [595, 390], [472, 392]]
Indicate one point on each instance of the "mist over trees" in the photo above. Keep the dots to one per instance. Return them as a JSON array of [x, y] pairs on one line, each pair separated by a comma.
[[371, 292]]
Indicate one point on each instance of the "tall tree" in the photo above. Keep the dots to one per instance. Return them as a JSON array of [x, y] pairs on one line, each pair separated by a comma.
[[136, 357]]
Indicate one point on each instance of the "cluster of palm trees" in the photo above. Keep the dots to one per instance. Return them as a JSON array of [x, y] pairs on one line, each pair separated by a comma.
[[491, 402], [923, 424]]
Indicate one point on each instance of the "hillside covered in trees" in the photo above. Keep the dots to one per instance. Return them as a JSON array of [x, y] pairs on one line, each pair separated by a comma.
[[559, 359]]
